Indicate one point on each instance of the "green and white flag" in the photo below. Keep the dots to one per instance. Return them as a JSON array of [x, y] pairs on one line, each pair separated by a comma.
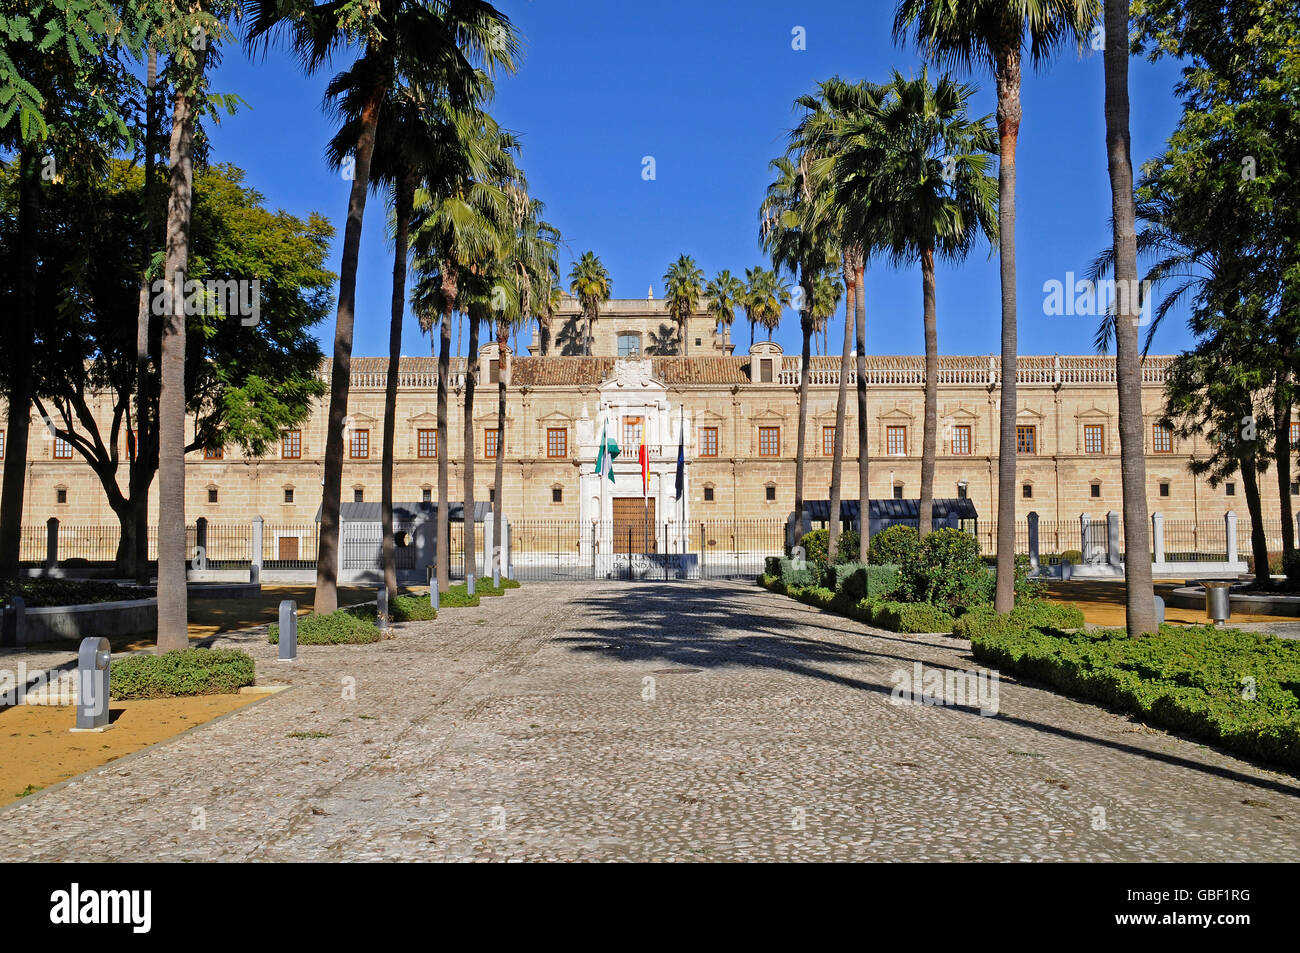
[[606, 453]]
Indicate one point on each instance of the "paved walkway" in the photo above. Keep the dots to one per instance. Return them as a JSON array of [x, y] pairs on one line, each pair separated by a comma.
[[526, 729]]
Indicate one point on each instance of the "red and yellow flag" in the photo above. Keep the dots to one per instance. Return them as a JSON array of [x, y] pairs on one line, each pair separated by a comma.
[[644, 456]]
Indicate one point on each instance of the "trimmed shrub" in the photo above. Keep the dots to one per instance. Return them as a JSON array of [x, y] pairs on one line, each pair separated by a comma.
[[895, 545], [816, 546], [771, 566], [354, 625], [1028, 614], [39, 593], [862, 581], [912, 617], [1186, 679], [946, 571], [457, 597], [796, 575], [409, 608], [182, 673]]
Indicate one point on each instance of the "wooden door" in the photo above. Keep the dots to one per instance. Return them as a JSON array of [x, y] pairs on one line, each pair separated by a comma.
[[631, 533], [288, 547]]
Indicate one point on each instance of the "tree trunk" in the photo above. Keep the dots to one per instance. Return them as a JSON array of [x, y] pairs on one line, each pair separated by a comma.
[[471, 380], [1139, 595], [864, 492], [498, 479], [1282, 460], [327, 558], [403, 200], [1254, 506], [841, 400], [1008, 83], [799, 464], [929, 440], [173, 605], [140, 466], [443, 554], [19, 408]]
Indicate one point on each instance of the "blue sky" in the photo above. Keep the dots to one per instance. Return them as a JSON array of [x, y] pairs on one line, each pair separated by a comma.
[[707, 88]]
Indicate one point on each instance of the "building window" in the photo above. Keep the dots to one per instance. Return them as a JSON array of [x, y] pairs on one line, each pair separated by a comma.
[[1026, 439], [1295, 434], [62, 449], [494, 371], [1295, 489], [632, 427], [2, 444], [1162, 439], [708, 494], [1094, 438], [1027, 491], [209, 453], [358, 495], [961, 490], [557, 442], [769, 444], [898, 491], [427, 443], [61, 495], [1230, 489], [1096, 491], [770, 494], [291, 444], [629, 345], [288, 494], [828, 441], [426, 495], [708, 441], [492, 494], [557, 494], [961, 440], [896, 441], [765, 371], [490, 435], [1164, 489], [359, 445]]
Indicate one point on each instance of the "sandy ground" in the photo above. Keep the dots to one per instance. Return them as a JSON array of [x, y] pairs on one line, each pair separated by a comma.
[[37, 749], [1103, 604]]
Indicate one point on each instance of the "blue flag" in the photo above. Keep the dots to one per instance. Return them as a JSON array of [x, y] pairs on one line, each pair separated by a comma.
[[681, 458]]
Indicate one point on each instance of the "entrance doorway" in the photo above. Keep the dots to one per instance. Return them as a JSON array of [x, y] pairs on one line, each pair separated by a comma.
[[631, 525]]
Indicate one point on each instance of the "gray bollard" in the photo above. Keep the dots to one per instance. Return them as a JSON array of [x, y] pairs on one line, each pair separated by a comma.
[[288, 630], [14, 621], [433, 591], [496, 575], [1160, 610], [469, 582], [381, 608], [93, 660], [1218, 605]]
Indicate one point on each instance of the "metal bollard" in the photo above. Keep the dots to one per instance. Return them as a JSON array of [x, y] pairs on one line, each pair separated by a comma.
[[1160, 610], [381, 608], [288, 630], [1218, 605], [93, 660], [433, 591], [469, 582]]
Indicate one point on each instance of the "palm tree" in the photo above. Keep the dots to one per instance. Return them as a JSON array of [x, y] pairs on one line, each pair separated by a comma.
[[589, 283], [993, 34], [548, 304], [426, 44], [456, 229], [794, 232], [934, 196], [766, 295], [1139, 596], [683, 287], [724, 292]]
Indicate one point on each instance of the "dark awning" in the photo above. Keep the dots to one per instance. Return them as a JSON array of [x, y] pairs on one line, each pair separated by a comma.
[[962, 509], [369, 512]]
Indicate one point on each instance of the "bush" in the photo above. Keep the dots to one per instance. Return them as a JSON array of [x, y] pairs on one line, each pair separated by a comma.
[[185, 672], [946, 571], [895, 545], [796, 575], [457, 597], [39, 593], [861, 581], [354, 625], [911, 617], [816, 546], [409, 608], [1186, 679], [1028, 614]]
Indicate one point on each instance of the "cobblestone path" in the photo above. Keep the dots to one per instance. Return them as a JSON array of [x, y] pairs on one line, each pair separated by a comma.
[[654, 722]]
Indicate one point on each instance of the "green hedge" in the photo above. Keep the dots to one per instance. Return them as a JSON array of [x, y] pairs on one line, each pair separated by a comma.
[[912, 617], [354, 625], [185, 672], [1185, 679], [1033, 612], [408, 608], [40, 593]]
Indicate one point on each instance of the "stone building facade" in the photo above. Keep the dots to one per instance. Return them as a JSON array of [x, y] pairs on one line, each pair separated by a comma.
[[739, 415]]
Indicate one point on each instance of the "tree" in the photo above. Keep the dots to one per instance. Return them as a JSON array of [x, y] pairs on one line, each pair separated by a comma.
[[766, 294], [930, 193], [399, 39], [589, 283], [724, 295], [993, 34], [683, 288]]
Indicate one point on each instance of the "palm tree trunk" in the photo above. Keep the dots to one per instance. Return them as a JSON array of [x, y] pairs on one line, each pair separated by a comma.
[[498, 505], [929, 438], [327, 561], [471, 378], [841, 400], [136, 562], [1282, 460], [443, 554], [405, 194], [685, 343], [1008, 83], [1254, 506], [173, 633], [20, 362], [799, 465], [1139, 595], [864, 493]]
